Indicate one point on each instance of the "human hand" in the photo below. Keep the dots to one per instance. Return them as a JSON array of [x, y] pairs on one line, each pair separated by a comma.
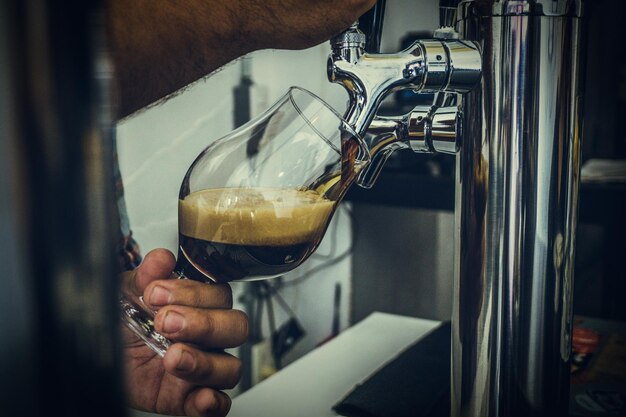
[[298, 24], [200, 319]]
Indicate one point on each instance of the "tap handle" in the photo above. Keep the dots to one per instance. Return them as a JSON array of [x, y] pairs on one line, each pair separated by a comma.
[[371, 23]]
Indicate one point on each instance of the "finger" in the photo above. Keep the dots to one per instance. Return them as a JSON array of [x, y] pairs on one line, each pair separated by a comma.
[[187, 292], [210, 328], [206, 402], [157, 264], [217, 370]]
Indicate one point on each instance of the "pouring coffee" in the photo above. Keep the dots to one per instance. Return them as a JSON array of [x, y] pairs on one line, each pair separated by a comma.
[[256, 203], [249, 233]]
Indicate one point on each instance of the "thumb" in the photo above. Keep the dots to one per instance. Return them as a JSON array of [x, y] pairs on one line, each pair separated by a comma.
[[157, 264]]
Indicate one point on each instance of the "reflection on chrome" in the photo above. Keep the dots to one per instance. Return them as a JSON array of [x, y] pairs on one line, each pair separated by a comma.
[[506, 78], [517, 194]]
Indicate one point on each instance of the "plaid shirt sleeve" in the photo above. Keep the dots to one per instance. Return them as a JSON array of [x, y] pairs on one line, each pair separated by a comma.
[[128, 251]]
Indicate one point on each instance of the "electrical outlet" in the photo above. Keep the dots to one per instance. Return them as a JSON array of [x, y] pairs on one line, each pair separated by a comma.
[[262, 366]]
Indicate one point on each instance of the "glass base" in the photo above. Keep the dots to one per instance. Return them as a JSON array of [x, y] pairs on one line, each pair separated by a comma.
[[140, 321]]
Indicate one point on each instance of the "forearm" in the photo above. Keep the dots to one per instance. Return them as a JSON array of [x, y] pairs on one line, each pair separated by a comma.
[[161, 46]]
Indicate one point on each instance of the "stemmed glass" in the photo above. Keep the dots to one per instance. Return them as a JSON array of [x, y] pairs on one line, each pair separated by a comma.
[[256, 203]]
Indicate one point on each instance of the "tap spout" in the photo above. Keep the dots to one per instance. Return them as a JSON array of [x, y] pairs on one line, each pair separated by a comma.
[[369, 78], [384, 136], [425, 129]]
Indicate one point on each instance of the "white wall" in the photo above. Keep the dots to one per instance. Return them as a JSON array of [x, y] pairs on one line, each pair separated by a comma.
[[403, 262]]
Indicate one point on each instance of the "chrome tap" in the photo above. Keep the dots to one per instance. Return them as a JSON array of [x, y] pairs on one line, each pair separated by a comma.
[[433, 65], [517, 136], [444, 65]]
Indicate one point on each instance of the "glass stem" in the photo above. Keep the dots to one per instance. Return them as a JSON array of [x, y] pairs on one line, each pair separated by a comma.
[[140, 320]]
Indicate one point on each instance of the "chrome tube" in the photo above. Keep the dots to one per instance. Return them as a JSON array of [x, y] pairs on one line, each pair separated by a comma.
[[516, 204]]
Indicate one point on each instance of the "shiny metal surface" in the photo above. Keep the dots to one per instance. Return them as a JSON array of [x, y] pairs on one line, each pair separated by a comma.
[[418, 129], [434, 129], [516, 204], [429, 66], [384, 136], [425, 129], [572, 8], [445, 130], [486, 8]]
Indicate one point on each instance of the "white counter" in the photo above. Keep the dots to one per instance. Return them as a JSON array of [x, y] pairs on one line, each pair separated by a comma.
[[314, 383]]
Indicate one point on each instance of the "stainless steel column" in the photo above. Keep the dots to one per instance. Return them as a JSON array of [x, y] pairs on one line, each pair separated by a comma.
[[516, 204]]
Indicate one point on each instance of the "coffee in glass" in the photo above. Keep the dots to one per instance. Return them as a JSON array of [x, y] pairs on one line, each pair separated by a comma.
[[256, 203]]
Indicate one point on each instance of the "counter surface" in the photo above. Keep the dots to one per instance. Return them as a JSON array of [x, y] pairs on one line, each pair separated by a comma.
[[314, 383]]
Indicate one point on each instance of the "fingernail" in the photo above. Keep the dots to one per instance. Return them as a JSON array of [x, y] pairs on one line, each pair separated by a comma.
[[208, 401], [173, 322], [186, 362], [159, 296]]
